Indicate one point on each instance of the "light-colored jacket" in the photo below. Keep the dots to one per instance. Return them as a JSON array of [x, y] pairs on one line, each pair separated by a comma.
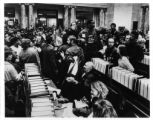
[[125, 63]]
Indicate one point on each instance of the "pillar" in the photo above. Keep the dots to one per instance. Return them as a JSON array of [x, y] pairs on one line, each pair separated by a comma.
[[66, 16], [31, 17], [73, 14], [23, 16], [146, 24], [105, 10], [96, 17], [143, 17], [101, 16]]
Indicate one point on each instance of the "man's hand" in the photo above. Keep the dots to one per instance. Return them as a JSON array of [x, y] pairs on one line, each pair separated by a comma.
[[62, 54], [19, 76], [72, 80]]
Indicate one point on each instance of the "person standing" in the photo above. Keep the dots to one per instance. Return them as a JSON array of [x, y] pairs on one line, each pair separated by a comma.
[[48, 63], [28, 54]]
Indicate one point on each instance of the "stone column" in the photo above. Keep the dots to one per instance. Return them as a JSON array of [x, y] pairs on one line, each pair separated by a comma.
[[66, 17], [31, 17], [143, 17], [101, 16], [73, 14], [96, 17], [146, 24], [23, 16], [105, 10]]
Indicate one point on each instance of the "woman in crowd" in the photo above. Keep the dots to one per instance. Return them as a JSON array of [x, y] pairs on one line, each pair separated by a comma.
[[123, 61], [11, 81], [103, 108], [99, 92]]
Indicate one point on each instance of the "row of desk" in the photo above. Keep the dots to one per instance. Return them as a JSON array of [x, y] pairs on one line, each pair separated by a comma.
[[136, 83], [42, 96], [145, 60], [134, 88]]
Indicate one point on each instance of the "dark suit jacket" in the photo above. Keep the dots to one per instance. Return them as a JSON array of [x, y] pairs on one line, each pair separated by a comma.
[[48, 61]]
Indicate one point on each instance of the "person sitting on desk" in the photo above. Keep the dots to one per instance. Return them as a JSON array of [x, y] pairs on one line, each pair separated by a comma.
[[85, 76], [89, 75], [71, 85]]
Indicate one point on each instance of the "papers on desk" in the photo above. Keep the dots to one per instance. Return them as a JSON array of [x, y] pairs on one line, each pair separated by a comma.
[[38, 90], [42, 113], [132, 81], [100, 65], [35, 81], [30, 64], [38, 87], [37, 84], [34, 77], [80, 104], [40, 93], [41, 109], [37, 100], [34, 73], [144, 88], [124, 77], [68, 111], [42, 104], [146, 60], [51, 89]]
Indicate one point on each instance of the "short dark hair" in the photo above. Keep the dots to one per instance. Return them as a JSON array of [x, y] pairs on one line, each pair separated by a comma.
[[72, 38], [89, 22], [49, 39], [113, 24], [25, 43], [123, 50], [14, 40], [72, 23]]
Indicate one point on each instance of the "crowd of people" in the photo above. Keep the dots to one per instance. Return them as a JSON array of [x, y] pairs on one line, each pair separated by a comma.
[[65, 55]]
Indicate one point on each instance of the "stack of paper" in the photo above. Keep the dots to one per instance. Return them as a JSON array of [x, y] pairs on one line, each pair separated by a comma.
[[144, 88], [52, 89], [124, 77], [39, 88], [100, 65], [68, 111], [42, 114], [146, 60]]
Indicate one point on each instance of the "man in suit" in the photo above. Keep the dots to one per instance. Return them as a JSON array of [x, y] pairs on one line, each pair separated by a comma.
[[48, 61]]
